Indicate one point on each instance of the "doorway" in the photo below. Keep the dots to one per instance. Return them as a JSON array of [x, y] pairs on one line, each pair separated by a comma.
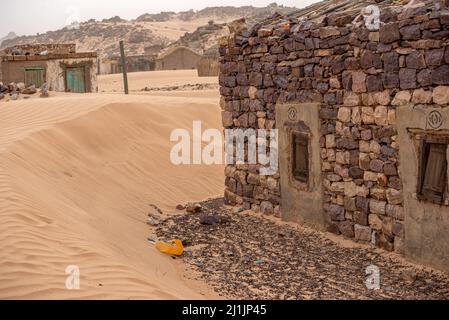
[[75, 80]]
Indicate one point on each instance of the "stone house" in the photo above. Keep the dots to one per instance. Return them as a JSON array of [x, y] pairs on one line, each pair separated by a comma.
[[209, 65], [135, 63], [177, 58], [58, 65], [362, 112]]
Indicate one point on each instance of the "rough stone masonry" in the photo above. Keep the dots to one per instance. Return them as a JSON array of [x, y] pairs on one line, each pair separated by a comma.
[[360, 78]]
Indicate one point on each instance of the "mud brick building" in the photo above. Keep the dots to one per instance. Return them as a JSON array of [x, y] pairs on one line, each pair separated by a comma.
[[362, 113], [58, 65], [177, 58]]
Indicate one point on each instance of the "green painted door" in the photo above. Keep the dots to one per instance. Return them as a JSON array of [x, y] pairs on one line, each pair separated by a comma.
[[76, 80], [34, 76]]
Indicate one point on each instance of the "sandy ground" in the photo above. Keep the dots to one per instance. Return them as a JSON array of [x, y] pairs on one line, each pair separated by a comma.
[[77, 176], [139, 80]]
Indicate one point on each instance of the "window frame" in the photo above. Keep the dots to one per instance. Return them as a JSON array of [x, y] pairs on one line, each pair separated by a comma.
[[424, 152], [305, 138]]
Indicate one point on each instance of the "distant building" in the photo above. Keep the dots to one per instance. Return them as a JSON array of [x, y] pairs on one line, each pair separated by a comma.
[[178, 58], [209, 65], [58, 65], [153, 50], [137, 63], [109, 65]]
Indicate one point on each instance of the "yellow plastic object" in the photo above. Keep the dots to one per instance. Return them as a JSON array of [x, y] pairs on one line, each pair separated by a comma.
[[175, 249]]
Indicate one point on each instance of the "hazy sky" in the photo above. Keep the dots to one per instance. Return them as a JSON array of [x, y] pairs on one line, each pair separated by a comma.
[[28, 17]]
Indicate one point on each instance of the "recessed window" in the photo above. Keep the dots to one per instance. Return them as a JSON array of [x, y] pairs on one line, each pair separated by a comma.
[[432, 182], [300, 157]]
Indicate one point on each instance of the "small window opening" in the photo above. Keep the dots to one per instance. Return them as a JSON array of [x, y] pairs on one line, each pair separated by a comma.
[[301, 157], [433, 171]]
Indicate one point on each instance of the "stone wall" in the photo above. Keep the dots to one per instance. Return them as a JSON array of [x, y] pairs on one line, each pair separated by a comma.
[[360, 78], [36, 49]]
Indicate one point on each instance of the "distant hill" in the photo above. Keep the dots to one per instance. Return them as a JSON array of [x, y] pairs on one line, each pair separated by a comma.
[[9, 36], [196, 29]]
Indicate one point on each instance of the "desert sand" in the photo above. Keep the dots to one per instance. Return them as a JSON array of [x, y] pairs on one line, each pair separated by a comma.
[[139, 80], [77, 176]]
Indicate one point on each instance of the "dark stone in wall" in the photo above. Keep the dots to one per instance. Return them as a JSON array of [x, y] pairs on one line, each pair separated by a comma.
[[356, 173], [424, 77], [362, 204], [336, 212], [441, 75], [391, 61], [434, 57], [389, 33], [374, 83], [369, 59], [415, 60], [390, 80], [347, 229], [412, 32], [407, 78]]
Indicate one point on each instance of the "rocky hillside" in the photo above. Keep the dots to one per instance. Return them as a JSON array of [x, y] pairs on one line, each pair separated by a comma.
[[9, 36], [191, 28]]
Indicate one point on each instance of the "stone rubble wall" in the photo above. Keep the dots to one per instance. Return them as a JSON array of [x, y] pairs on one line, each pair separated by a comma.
[[36, 49], [360, 78]]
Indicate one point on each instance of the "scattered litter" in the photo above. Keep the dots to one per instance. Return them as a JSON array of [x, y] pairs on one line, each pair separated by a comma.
[[151, 241], [155, 217], [153, 221], [176, 248], [260, 261], [237, 210], [186, 243]]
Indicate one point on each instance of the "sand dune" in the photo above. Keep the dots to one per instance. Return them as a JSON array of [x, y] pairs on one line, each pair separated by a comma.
[[77, 175]]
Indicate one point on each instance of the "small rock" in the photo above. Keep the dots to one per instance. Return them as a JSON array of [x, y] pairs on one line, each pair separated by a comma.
[[14, 95], [209, 220], [180, 207], [30, 90], [410, 276], [194, 208]]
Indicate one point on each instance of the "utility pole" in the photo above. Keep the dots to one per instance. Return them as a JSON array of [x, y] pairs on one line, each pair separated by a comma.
[[125, 73]]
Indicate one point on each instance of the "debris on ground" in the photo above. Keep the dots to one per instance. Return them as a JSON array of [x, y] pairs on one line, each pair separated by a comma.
[[30, 90], [194, 208], [209, 220], [186, 87], [176, 248], [18, 90], [155, 216], [44, 91], [253, 257]]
